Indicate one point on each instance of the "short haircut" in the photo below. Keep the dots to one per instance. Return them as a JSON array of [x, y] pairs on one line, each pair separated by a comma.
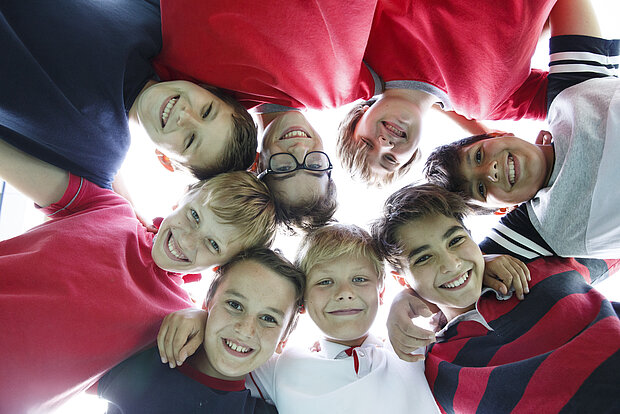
[[411, 203], [238, 198], [309, 215], [353, 153], [240, 151], [443, 166], [335, 240], [274, 261]]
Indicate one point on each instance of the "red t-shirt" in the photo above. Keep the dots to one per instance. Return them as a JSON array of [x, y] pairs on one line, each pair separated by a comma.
[[297, 53], [479, 54], [79, 294]]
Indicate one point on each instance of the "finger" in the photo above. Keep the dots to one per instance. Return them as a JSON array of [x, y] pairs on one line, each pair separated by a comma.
[[189, 349], [169, 339], [496, 284], [409, 357], [518, 286], [407, 344], [161, 340]]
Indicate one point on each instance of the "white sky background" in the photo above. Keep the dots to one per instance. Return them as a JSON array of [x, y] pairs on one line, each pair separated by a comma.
[[155, 191]]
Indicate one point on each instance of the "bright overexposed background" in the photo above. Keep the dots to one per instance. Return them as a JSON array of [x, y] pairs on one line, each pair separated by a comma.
[[155, 191]]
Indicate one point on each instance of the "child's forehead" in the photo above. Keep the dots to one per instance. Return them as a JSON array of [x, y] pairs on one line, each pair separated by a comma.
[[431, 226], [347, 262], [251, 279]]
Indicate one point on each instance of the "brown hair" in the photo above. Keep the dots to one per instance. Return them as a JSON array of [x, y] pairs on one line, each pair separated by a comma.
[[410, 203], [272, 260]]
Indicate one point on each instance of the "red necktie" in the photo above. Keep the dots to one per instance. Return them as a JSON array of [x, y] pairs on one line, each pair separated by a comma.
[[356, 362]]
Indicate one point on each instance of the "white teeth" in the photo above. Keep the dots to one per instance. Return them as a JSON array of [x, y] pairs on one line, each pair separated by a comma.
[[237, 348], [295, 134], [511, 170], [175, 252], [167, 109], [457, 282], [394, 130]]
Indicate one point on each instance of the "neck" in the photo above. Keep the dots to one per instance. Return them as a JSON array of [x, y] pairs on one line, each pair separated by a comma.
[[133, 111], [420, 99], [549, 154], [352, 342]]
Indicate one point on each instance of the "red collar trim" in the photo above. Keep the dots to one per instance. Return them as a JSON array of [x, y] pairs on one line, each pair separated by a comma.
[[211, 382]]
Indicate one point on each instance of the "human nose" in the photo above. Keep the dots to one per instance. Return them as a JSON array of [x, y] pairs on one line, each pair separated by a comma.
[[492, 173], [299, 151], [186, 117], [344, 293], [450, 262], [245, 326], [385, 142]]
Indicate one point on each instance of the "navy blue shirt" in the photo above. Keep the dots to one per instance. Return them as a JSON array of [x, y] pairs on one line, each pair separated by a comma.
[[142, 384], [69, 72]]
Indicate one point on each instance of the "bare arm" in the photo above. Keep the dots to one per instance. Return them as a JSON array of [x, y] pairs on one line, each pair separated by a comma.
[[470, 125], [44, 183], [574, 17]]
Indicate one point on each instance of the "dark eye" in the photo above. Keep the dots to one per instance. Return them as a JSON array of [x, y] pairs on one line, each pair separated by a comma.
[[422, 259], [456, 240], [359, 279], [481, 190], [215, 246], [478, 157], [190, 141], [368, 143], [207, 111], [269, 319], [195, 215], [234, 304]]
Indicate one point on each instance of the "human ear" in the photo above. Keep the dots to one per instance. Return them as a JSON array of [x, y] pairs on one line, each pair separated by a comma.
[[164, 160], [281, 346]]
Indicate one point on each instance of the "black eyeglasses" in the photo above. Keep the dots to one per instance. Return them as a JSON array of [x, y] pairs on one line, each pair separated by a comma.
[[284, 162]]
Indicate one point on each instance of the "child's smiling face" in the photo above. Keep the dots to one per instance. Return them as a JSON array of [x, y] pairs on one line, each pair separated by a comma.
[[503, 171], [193, 238], [342, 298], [247, 318], [442, 263]]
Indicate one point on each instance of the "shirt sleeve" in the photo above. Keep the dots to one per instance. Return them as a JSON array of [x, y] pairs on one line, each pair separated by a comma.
[[516, 236], [574, 59], [261, 381]]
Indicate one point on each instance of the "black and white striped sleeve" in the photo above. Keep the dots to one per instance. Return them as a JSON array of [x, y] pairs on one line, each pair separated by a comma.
[[516, 236], [574, 59]]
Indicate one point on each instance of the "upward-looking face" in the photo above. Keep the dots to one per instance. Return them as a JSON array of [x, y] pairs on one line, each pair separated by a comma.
[[185, 121], [505, 170], [292, 133], [442, 263], [390, 132], [342, 298], [247, 317], [193, 238]]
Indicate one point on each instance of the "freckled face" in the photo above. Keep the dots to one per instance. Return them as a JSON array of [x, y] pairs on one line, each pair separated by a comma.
[[193, 238], [390, 131], [246, 321], [504, 171], [186, 122], [342, 298], [442, 263]]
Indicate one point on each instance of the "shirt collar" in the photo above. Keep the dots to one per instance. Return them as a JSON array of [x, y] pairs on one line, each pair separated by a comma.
[[331, 350]]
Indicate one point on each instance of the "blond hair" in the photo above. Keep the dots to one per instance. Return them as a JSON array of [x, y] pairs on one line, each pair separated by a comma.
[[238, 198], [336, 240]]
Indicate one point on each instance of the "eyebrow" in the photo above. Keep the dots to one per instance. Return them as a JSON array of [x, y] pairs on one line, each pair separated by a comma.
[[233, 292], [446, 235]]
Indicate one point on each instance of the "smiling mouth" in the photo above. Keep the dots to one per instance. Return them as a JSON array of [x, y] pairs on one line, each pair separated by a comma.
[[345, 312], [511, 170], [165, 113], [457, 282], [295, 133], [174, 250], [394, 130], [236, 348]]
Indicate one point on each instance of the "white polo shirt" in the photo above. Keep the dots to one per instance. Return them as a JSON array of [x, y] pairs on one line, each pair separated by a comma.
[[303, 381]]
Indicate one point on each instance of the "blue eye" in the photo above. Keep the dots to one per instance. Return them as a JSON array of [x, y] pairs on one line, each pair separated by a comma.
[[478, 157], [195, 215], [481, 190], [325, 282], [359, 279], [215, 246]]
